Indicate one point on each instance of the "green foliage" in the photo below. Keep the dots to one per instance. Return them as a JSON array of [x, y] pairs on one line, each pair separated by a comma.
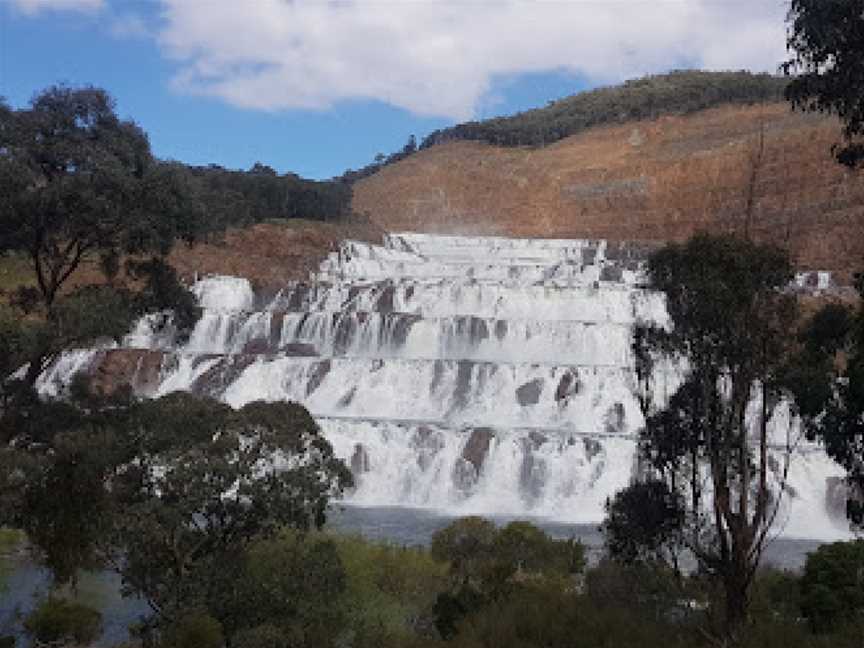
[[66, 531], [193, 628], [466, 544], [15, 271], [242, 198], [10, 541], [59, 620], [452, 607], [17, 341], [161, 287], [541, 618], [490, 565], [390, 590], [77, 182], [825, 39], [680, 92], [644, 523], [813, 379], [836, 393], [713, 285], [776, 596], [262, 636], [732, 324], [480, 552], [205, 481], [165, 491], [291, 582], [647, 589], [832, 588]]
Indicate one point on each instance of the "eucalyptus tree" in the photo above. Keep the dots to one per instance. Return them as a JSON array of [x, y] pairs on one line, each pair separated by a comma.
[[826, 40], [731, 332], [79, 187], [170, 492], [836, 336]]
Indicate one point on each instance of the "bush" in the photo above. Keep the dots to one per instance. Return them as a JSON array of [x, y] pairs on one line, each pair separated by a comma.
[[652, 590], [195, 628], [467, 544], [535, 618], [390, 591], [59, 620], [776, 595], [832, 588], [262, 636], [292, 582]]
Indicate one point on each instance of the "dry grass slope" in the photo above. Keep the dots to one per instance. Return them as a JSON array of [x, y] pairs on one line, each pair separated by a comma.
[[656, 180], [268, 254]]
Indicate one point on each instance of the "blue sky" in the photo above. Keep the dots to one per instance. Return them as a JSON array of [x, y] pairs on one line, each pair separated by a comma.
[[317, 86]]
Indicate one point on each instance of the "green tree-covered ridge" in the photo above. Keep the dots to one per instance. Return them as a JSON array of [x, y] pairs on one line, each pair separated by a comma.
[[677, 93]]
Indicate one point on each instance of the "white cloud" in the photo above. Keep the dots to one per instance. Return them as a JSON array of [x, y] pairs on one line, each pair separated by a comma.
[[33, 7], [439, 57]]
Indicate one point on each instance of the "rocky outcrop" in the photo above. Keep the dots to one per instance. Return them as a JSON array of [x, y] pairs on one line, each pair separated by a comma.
[[467, 469], [359, 460], [477, 447], [140, 369], [529, 393]]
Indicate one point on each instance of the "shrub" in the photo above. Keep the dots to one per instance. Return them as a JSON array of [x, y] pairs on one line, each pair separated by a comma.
[[194, 628], [390, 591], [292, 582], [832, 588], [776, 595], [58, 620], [262, 636], [534, 618]]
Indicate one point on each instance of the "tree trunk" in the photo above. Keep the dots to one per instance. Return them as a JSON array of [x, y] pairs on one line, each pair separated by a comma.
[[736, 607], [736, 583]]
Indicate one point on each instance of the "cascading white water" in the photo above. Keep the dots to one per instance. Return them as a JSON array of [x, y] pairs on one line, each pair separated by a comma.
[[469, 374]]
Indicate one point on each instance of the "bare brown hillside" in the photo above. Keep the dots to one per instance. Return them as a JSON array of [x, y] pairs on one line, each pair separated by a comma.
[[268, 254], [653, 180]]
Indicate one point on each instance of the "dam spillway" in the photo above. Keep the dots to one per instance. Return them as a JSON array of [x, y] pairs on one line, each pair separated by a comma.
[[465, 374]]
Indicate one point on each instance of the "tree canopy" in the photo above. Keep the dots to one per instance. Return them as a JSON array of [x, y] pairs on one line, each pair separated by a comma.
[[838, 331], [832, 587], [731, 330], [164, 491], [79, 182], [826, 40]]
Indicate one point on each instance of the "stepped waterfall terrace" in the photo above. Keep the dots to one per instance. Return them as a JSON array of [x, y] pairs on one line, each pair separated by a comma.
[[464, 374]]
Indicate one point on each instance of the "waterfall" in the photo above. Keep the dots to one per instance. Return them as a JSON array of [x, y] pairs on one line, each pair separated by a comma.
[[468, 374]]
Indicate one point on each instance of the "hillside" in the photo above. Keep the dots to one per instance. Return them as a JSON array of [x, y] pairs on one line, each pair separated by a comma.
[[679, 92], [268, 254], [656, 179]]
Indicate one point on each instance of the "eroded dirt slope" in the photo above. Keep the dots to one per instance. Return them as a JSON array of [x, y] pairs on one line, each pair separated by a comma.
[[269, 254], [655, 180]]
